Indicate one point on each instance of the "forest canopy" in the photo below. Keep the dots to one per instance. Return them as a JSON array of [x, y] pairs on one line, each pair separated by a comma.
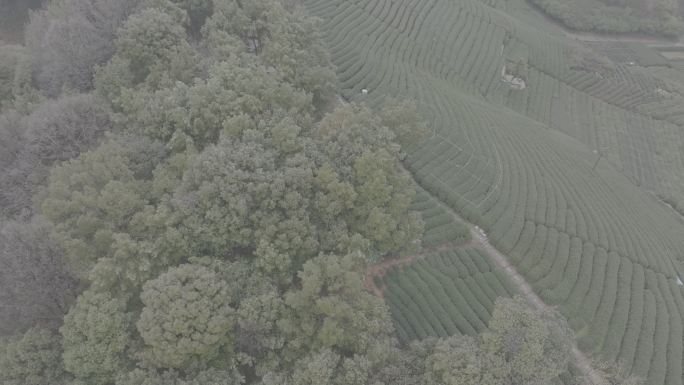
[[659, 17]]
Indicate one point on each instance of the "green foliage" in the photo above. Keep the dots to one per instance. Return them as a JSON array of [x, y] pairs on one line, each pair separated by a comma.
[[258, 335], [262, 191], [240, 196], [140, 254], [404, 120], [186, 318], [660, 18], [440, 226], [459, 360], [232, 225], [96, 334], [171, 377], [317, 369], [331, 310], [334, 332], [619, 320], [99, 194], [601, 323], [288, 41], [237, 95], [284, 199], [446, 294], [527, 177], [103, 207], [362, 151], [254, 22], [154, 47], [33, 358], [534, 347], [521, 346]]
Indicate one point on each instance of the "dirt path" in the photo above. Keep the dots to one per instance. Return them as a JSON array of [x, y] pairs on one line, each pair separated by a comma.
[[387, 264], [479, 241]]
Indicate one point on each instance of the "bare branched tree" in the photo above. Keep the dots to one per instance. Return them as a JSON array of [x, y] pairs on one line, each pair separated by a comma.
[[56, 131], [69, 38], [36, 287]]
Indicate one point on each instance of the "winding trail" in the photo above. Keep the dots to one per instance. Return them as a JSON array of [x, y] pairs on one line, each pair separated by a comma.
[[388, 263], [480, 241]]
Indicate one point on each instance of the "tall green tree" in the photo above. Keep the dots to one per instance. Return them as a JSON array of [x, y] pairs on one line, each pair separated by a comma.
[[334, 332], [459, 360], [532, 347], [332, 311], [155, 47], [96, 335], [33, 358], [361, 154], [239, 94], [288, 41], [100, 194], [186, 318], [152, 51], [243, 196], [521, 346]]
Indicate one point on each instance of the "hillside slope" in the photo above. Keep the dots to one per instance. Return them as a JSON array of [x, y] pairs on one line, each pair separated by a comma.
[[516, 114]]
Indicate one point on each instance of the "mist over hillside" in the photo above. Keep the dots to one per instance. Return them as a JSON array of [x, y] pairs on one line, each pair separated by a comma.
[[342, 192]]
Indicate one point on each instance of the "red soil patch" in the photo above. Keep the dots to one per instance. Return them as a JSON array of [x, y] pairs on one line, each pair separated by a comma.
[[388, 263]]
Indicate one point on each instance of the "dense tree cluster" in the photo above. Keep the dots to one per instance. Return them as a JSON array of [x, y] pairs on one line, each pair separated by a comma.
[[183, 203], [186, 316], [55, 131], [617, 16], [520, 347], [33, 358], [95, 337]]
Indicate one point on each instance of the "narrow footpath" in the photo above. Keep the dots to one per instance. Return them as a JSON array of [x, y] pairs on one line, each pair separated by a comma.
[[479, 241], [383, 267]]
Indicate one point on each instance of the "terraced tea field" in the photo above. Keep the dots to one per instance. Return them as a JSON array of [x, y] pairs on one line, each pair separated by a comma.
[[440, 226], [589, 236], [443, 294]]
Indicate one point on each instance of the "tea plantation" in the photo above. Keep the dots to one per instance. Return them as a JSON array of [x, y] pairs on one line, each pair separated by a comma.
[[444, 294], [563, 152], [440, 226]]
